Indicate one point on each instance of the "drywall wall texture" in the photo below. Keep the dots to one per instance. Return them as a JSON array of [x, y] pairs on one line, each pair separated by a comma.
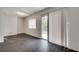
[[20, 25]]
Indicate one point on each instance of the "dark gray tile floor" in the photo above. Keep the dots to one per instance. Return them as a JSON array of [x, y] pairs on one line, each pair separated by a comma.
[[26, 43]]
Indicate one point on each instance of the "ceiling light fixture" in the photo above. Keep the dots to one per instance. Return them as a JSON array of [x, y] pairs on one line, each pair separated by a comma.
[[22, 14]]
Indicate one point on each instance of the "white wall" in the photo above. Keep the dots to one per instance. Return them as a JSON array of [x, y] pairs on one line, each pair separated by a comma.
[[9, 23], [72, 27], [1, 28], [34, 32], [20, 25]]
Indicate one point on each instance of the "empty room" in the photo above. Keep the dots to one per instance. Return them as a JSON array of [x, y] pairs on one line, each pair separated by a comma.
[[39, 29]]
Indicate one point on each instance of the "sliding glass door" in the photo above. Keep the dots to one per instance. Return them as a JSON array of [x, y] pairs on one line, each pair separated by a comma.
[[45, 27], [55, 27]]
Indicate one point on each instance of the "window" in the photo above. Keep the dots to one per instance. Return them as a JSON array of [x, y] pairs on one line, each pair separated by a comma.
[[32, 23]]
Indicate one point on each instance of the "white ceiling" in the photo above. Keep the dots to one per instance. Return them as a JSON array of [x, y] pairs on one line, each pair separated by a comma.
[[31, 10], [23, 12], [28, 10], [20, 11]]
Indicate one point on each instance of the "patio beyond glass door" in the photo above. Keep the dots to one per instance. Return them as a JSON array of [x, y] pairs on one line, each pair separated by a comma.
[[45, 27]]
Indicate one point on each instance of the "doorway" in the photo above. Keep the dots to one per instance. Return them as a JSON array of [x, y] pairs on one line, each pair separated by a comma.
[[45, 27]]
